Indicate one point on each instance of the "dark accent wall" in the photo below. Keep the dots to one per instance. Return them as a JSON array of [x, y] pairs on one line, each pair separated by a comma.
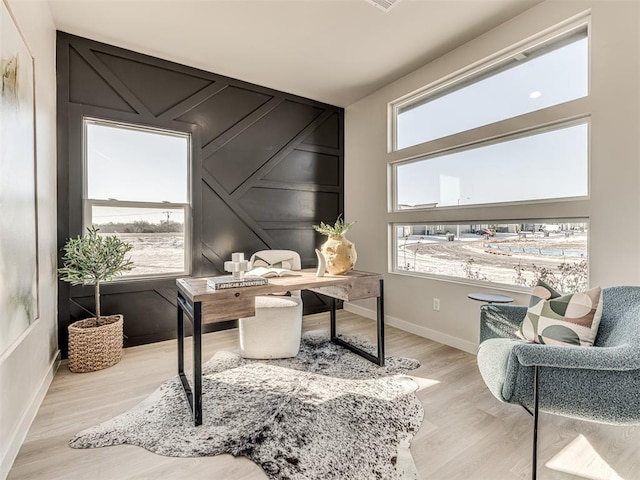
[[266, 166]]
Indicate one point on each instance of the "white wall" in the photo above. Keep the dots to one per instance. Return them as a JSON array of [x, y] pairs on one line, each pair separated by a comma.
[[27, 367], [614, 201]]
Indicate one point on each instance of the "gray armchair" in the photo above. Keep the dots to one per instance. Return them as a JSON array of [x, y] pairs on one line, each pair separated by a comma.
[[599, 383]]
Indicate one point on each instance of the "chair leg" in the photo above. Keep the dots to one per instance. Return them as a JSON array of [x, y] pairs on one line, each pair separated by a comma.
[[534, 461]]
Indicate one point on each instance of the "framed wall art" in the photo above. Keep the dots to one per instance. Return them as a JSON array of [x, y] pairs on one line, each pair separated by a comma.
[[18, 213]]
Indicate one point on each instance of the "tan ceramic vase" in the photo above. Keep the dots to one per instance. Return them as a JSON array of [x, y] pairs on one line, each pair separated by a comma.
[[339, 254]]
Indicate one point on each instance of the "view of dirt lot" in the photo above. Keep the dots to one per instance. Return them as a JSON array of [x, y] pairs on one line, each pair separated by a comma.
[[496, 259], [492, 258], [155, 253]]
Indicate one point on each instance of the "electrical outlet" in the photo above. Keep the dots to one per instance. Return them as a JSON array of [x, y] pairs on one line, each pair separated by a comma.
[[436, 304]]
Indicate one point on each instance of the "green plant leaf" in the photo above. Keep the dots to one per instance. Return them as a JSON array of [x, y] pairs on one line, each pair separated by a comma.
[[93, 258], [338, 229]]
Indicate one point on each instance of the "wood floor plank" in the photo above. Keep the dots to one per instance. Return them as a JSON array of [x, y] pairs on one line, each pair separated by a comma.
[[466, 434]]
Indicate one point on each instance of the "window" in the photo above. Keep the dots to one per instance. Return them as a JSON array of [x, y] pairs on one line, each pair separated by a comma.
[[514, 254], [550, 164], [137, 187], [525, 81], [506, 138]]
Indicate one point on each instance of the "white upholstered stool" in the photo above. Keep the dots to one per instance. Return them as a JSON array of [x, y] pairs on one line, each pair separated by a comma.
[[275, 332], [276, 328]]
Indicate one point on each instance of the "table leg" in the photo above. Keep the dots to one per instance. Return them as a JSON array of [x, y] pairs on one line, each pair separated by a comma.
[[182, 309], [194, 397], [379, 331], [380, 324], [180, 340], [197, 364], [332, 316]]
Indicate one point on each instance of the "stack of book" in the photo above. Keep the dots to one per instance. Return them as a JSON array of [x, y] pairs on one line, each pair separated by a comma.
[[227, 281]]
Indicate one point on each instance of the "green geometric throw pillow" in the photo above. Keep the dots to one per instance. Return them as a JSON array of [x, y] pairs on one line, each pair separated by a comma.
[[556, 319]]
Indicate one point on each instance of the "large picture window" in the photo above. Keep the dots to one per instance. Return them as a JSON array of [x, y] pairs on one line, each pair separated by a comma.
[[513, 254], [541, 76], [507, 137], [137, 187], [550, 164]]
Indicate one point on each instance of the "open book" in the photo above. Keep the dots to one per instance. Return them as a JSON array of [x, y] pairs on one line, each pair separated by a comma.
[[266, 272]]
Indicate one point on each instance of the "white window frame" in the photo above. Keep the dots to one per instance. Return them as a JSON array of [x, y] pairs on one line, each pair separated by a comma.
[[479, 68], [583, 120], [88, 203], [569, 113]]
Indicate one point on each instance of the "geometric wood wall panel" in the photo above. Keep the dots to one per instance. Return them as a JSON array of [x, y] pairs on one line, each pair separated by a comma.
[[266, 167], [233, 163], [158, 311], [129, 304], [326, 135], [301, 240], [157, 88], [223, 231], [86, 86], [224, 110], [294, 205], [157, 325], [302, 166]]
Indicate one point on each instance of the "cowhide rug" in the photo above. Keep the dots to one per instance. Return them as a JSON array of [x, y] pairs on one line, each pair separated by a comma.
[[325, 414]]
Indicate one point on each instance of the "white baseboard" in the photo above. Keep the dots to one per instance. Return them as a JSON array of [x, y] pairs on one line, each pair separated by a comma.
[[434, 335], [20, 433]]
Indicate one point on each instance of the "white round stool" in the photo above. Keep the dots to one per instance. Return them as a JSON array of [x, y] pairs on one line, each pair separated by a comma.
[[275, 330]]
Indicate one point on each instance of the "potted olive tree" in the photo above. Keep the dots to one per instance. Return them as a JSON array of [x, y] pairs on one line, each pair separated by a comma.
[[95, 343], [339, 253]]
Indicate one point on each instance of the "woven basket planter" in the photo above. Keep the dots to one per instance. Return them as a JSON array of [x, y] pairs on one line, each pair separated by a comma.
[[94, 347]]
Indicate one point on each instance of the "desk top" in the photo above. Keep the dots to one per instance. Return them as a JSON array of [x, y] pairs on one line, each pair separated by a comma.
[[230, 303]]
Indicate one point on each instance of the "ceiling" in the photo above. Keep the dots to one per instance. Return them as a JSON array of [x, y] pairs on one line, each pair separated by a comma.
[[334, 51]]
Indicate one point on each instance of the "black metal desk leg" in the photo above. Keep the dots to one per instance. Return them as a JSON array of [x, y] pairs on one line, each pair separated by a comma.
[[194, 396], [332, 313], [380, 324], [379, 359], [536, 412], [180, 340], [197, 364]]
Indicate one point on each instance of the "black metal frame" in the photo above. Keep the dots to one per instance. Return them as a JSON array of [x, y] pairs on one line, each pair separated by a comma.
[[194, 313], [194, 397], [535, 415], [379, 330], [536, 392]]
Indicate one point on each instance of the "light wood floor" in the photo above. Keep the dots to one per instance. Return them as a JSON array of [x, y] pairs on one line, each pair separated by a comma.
[[466, 433]]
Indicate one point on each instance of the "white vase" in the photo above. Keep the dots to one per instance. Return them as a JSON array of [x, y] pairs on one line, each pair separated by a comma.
[[339, 254]]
